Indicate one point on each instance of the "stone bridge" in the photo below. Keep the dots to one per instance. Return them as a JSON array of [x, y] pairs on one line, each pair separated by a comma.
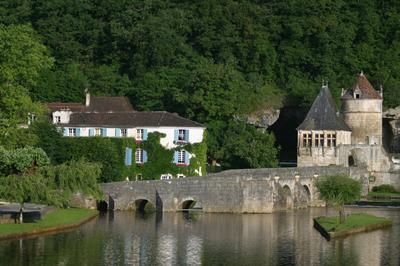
[[236, 191]]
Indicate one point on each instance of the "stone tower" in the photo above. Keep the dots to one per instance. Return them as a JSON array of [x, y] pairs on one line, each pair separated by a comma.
[[362, 112], [322, 133]]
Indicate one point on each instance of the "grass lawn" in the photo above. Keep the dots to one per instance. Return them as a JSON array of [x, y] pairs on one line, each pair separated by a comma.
[[57, 219], [353, 221]]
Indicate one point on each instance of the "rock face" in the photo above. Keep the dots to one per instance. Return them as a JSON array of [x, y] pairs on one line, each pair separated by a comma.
[[262, 118], [392, 117]]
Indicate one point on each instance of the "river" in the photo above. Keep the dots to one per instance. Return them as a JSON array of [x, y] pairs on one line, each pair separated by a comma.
[[282, 238]]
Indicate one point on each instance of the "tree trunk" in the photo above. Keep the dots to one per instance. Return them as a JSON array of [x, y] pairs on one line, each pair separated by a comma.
[[342, 215], [21, 212]]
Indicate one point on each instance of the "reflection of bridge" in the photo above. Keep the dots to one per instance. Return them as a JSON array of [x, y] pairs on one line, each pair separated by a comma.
[[240, 191]]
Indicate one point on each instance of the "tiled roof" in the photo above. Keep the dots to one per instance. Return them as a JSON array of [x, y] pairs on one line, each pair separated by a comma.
[[323, 114], [364, 86], [131, 119], [75, 107], [108, 104]]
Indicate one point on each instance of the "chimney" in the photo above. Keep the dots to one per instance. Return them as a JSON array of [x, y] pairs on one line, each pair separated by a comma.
[[381, 91], [87, 102]]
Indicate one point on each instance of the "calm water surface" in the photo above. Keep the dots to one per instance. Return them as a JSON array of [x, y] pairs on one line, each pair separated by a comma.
[[285, 238]]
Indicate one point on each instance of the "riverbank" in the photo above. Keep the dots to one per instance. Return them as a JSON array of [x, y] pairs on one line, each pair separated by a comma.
[[330, 227], [57, 220]]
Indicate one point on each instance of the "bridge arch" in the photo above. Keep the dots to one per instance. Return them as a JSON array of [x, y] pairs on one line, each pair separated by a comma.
[[188, 203], [287, 192], [308, 192], [143, 204]]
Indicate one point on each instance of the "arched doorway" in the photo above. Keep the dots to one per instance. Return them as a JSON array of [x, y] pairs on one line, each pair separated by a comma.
[[351, 161]]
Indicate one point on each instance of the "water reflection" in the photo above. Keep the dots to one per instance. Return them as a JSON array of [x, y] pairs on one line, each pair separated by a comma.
[[284, 238]]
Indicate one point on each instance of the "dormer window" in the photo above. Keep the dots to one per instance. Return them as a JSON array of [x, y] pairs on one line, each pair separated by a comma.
[[357, 94], [57, 119]]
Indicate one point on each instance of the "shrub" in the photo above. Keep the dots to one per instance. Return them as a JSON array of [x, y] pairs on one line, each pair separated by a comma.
[[384, 189]]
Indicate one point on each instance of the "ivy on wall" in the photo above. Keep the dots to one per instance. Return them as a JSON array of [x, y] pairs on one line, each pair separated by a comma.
[[110, 152], [160, 159]]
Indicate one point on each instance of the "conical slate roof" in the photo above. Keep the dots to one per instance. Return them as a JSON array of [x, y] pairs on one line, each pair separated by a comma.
[[364, 86], [323, 114]]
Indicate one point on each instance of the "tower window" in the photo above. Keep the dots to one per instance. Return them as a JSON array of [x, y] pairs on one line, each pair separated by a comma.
[[331, 140], [307, 139], [357, 96], [319, 140]]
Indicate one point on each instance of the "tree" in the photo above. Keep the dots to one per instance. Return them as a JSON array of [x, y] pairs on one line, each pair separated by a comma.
[[238, 145], [338, 190], [22, 59], [18, 179]]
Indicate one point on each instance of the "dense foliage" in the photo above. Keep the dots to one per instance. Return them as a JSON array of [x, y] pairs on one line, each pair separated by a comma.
[[338, 190], [26, 176], [385, 189], [206, 60]]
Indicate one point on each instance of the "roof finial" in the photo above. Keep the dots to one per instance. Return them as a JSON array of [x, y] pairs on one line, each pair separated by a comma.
[[323, 83], [362, 73]]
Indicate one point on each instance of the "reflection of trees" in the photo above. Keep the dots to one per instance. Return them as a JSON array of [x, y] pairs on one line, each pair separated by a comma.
[[283, 238]]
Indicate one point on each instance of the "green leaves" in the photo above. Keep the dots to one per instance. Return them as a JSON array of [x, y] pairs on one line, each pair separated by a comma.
[[22, 160], [339, 189]]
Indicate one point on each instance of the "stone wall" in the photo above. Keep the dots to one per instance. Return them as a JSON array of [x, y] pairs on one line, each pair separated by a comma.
[[236, 191]]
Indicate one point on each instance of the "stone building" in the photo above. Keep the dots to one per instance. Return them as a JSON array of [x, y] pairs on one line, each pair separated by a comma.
[[352, 137]]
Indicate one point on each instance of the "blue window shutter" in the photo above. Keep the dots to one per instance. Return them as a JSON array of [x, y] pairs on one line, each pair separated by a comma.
[[176, 135], [65, 131], [187, 135], [104, 132], [175, 157], [91, 132], [128, 156], [187, 158], [78, 132], [145, 134], [144, 156], [118, 132]]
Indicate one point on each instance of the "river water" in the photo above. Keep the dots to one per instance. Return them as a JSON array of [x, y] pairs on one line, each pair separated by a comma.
[[283, 238]]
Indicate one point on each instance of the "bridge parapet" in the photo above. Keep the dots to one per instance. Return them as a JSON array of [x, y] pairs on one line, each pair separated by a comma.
[[240, 191]]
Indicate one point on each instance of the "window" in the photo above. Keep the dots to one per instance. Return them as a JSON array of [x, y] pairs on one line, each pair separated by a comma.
[[331, 140], [98, 132], [307, 138], [139, 134], [139, 156], [72, 132], [357, 96], [124, 132], [165, 176], [182, 135], [57, 119], [319, 140], [181, 156]]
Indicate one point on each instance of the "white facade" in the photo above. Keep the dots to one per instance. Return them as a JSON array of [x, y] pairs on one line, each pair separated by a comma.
[[61, 116], [169, 141]]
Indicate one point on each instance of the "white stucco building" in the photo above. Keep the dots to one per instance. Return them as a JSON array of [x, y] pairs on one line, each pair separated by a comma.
[[114, 117]]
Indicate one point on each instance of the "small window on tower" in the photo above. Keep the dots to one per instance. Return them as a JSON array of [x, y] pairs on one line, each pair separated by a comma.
[[357, 96]]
